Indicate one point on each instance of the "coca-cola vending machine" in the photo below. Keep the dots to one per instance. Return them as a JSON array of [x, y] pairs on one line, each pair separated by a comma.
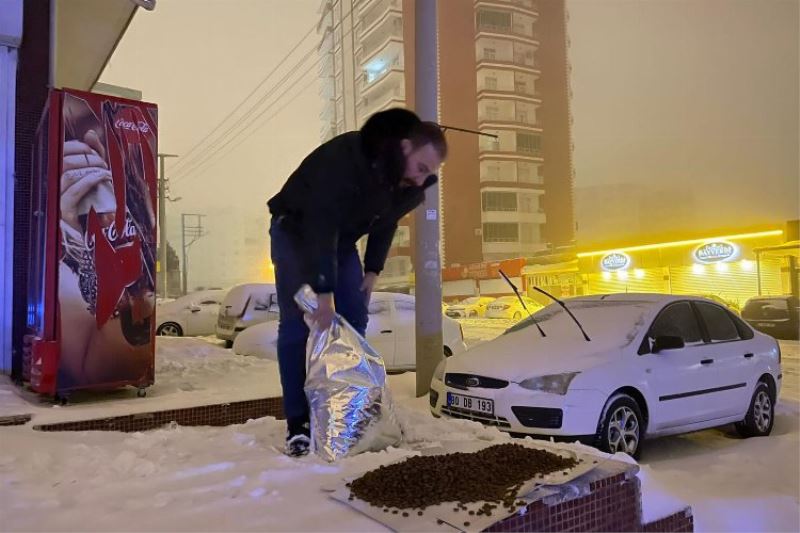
[[92, 272]]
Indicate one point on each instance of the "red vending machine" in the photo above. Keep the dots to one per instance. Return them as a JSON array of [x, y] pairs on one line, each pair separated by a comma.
[[92, 272]]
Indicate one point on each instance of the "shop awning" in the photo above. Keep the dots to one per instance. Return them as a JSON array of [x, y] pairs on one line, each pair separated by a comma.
[[86, 32]]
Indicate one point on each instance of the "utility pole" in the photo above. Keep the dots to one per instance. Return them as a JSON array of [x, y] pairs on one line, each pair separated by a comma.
[[194, 231], [162, 226], [427, 261]]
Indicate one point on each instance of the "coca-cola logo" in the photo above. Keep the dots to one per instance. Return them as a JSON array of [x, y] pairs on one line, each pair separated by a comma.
[[140, 126], [128, 232]]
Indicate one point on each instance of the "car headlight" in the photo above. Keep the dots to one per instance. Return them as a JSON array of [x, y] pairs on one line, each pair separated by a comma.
[[439, 372], [554, 383]]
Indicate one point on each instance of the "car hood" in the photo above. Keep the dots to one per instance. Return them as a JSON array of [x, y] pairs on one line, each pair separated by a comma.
[[514, 357]]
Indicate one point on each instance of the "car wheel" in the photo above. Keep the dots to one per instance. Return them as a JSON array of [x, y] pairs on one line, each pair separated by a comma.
[[621, 429], [228, 344], [517, 315], [760, 416], [170, 329]]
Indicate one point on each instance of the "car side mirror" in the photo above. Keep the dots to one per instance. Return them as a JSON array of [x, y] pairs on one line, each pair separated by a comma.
[[667, 342]]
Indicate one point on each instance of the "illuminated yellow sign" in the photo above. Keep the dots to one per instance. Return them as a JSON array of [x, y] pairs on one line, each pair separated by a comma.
[[716, 252], [615, 261]]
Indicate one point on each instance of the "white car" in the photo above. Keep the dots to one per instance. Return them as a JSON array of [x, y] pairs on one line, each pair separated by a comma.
[[193, 315], [245, 306], [472, 307], [510, 307], [655, 365], [390, 331]]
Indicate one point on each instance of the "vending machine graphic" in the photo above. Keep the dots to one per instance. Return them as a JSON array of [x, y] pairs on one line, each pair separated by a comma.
[[92, 272]]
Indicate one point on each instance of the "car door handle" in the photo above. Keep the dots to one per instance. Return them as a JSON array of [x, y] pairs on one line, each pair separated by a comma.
[[748, 355], [706, 361], [386, 331]]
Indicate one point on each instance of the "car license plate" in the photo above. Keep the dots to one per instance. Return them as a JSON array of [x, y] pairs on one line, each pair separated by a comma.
[[470, 403], [766, 324]]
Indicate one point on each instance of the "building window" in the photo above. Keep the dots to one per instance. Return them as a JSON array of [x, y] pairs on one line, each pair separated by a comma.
[[490, 54], [493, 20], [492, 112], [500, 232], [529, 143], [529, 233], [491, 83], [499, 201]]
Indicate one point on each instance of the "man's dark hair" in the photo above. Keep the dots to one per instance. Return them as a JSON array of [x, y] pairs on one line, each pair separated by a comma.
[[429, 132], [382, 133]]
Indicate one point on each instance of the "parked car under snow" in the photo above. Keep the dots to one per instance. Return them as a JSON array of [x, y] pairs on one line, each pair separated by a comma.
[[655, 365], [193, 315], [511, 307], [390, 331], [472, 307]]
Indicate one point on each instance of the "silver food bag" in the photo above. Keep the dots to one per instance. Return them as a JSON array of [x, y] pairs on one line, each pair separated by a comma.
[[349, 401]]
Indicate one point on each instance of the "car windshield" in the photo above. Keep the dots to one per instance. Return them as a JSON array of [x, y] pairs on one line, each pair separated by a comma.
[[600, 318]]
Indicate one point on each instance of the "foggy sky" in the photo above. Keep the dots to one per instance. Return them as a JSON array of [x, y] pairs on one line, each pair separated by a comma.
[[700, 96]]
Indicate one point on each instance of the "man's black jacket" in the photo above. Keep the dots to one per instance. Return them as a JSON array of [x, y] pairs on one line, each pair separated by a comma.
[[335, 197]]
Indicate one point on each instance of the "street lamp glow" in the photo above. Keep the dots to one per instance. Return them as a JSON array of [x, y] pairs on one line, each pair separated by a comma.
[[698, 269], [746, 265], [606, 276], [721, 267], [639, 273], [622, 275]]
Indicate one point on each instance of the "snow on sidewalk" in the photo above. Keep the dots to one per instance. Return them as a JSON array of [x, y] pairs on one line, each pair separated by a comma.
[[189, 372]]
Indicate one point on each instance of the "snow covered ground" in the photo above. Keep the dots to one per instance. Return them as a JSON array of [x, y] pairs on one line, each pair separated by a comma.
[[236, 478]]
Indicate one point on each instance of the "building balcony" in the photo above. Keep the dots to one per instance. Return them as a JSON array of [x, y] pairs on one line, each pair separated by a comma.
[[508, 123], [517, 63], [532, 96], [394, 77], [370, 11], [513, 32], [487, 151], [502, 248], [381, 98], [387, 20], [514, 216], [529, 6]]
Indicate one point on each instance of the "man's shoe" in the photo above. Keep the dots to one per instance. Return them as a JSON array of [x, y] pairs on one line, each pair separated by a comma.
[[298, 445]]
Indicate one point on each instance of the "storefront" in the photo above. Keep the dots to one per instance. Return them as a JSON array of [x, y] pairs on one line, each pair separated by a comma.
[[724, 267], [481, 279]]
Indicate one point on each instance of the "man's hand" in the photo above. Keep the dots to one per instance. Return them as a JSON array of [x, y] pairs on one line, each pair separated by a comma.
[[368, 285], [325, 312]]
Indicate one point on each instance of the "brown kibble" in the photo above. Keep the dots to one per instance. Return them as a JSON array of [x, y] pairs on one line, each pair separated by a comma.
[[394, 511], [419, 513], [405, 514], [439, 521], [422, 481], [466, 524], [385, 510]]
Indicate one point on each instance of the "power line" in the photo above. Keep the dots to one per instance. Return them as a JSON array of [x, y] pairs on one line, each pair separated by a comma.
[[255, 89], [203, 168], [186, 171], [238, 136]]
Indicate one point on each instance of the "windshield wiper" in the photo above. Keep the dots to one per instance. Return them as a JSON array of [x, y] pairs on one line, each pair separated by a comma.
[[562, 304], [519, 296]]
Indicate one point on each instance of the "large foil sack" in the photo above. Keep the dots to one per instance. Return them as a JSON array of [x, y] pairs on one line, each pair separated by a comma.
[[349, 401]]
